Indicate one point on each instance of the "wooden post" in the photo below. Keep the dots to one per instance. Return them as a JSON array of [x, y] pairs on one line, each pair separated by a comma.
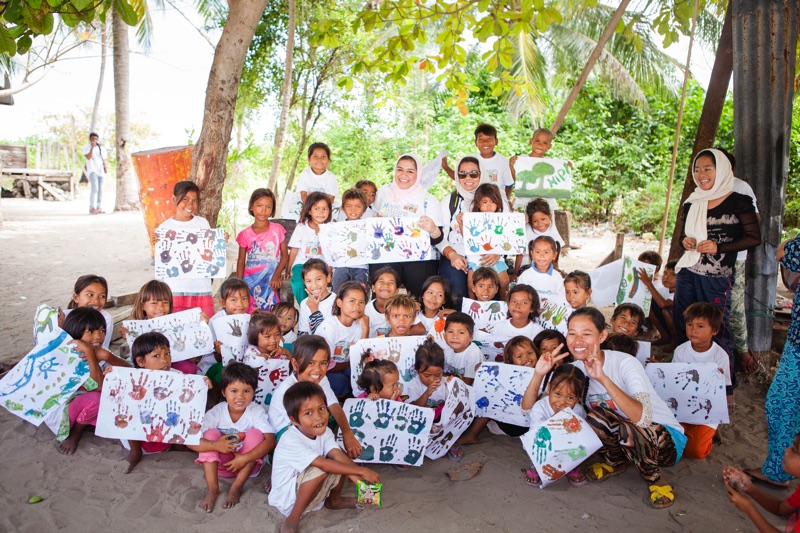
[[617, 253]]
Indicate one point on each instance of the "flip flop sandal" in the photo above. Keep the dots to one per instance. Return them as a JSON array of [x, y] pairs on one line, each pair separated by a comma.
[[532, 477], [659, 492], [750, 366], [766, 482], [599, 472], [576, 478], [455, 453]]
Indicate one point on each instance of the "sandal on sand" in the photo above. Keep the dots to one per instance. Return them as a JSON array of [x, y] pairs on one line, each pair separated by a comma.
[[660, 496], [765, 482], [532, 477], [600, 472], [576, 478], [455, 453], [750, 366]]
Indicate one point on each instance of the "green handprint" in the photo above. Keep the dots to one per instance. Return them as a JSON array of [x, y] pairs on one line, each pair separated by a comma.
[[368, 454], [414, 451], [542, 443], [384, 417], [356, 416], [387, 448]]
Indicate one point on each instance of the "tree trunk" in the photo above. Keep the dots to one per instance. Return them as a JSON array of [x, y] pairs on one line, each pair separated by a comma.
[[598, 49], [709, 121], [280, 136], [103, 47], [209, 156], [127, 194]]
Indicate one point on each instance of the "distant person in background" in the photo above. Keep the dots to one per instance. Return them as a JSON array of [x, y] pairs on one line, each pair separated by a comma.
[[96, 168]]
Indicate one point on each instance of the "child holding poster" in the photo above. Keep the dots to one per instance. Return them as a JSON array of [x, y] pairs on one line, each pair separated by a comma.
[[354, 206], [304, 244], [379, 378], [236, 436], [487, 200], [262, 252], [265, 339], [434, 307], [309, 468]]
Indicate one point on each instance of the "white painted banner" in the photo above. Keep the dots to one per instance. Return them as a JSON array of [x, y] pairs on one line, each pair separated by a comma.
[[231, 331], [695, 392], [457, 415], [399, 350], [190, 254], [494, 233], [541, 177], [188, 334], [498, 390], [375, 241], [618, 282]]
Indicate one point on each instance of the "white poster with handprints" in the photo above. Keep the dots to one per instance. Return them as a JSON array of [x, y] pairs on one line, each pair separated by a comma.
[[695, 392], [190, 254], [44, 379], [45, 324], [152, 406], [231, 332], [491, 346], [292, 206], [457, 415], [554, 314], [271, 373], [559, 445], [375, 240], [484, 313], [494, 233], [392, 433], [188, 334], [399, 350], [498, 390], [618, 282]]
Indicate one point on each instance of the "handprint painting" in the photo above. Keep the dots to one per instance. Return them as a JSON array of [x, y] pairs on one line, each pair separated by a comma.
[[494, 233], [390, 432], [183, 254], [560, 444], [271, 373], [45, 378], [399, 350], [152, 406], [498, 390], [189, 336], [695, 392], [374, 240]]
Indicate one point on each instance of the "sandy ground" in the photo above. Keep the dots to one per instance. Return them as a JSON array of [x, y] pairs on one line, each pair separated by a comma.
[[90, 492]]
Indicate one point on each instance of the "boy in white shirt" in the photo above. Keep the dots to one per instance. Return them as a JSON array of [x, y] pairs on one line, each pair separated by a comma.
[[703, 321], [354, 207], [317, 177], [461, 357], [309, 467], [495, 168]]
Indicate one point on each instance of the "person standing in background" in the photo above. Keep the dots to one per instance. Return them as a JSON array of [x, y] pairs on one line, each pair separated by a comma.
[[96, 168]]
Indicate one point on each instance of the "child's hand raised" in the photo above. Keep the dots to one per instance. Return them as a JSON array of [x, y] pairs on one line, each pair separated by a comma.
[[548, 361], [60, 318], [645, 277], [124, 332], [594, 368]]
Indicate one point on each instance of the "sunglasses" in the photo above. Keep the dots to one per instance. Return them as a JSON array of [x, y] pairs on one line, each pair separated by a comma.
[[471, 174]]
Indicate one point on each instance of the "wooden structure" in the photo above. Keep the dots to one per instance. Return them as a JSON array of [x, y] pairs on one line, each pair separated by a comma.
[[51, 172]]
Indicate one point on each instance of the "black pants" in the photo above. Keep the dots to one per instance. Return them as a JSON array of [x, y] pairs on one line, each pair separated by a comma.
[[412, 273]]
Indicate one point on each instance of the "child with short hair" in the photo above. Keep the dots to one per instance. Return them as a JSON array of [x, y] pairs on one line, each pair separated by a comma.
[[461, 357], [486, 284], [401, 310], [92, 291], [347, 325], [739, 484], [317, 177], [523, 308], [619, 342], [234, 299], [434, 305], [542, 275], [370, 191], [237, 435], [287, 318], [304, 244], [703, 321], [494, 167], [578, 289], [487, 200], [264, 337], [379, 379], [566, 388], [309, 467], [385, 283], [354, 205], [319, 304], [263, 253], [661, 312], [628, 319]]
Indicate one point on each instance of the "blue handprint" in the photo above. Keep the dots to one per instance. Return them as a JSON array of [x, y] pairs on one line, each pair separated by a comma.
[[414, 451], [378, 230], [356, 416], [368, 454], [385, 417], [474, 229], [401, 424], [417, 423], [172, 414], [482, 403], [387, 448], [146, 412]]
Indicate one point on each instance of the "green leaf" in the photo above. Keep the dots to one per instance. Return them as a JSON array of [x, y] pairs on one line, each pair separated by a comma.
[[24, 44], [14, 11], [7, 43], [47, 23], [55, 3], [34, 4], [126, 12]]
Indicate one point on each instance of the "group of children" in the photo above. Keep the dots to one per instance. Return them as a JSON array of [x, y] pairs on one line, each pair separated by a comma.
[[334, 309]]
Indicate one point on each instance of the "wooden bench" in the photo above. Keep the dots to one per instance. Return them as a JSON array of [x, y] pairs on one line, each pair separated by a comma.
[[52, 175]]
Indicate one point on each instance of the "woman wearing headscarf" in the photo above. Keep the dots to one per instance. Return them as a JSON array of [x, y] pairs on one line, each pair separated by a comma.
[[406, 197], [718, 223]]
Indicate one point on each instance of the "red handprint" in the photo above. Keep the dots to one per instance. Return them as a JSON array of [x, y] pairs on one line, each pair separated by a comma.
[[156, 433], [206, 255], [122, 418], [139, 391], [277, 376], [162, 391], [186, 395], [194, 422]]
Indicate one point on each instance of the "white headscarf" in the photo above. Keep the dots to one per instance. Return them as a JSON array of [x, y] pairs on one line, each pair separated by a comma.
[[468, 196], [396, 194], [696, 219]]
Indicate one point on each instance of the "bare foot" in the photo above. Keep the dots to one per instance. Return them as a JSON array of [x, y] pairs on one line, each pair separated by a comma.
[[134, 456], [289, 525], [468, 440], [233, 496], [208, 502], [340, 503], [70, 444]]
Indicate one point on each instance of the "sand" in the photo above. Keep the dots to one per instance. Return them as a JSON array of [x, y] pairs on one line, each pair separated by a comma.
[[90, 492]]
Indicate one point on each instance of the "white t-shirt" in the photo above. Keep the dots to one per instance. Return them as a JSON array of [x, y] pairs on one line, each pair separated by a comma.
[[686, 354], [662, 290], [531, 234], [462, 364], [310, 182], [254, 416], [378, 325], [289, 338], [417, 206], [339, 338], [109, 326], [496, 170], [628, 374], [95, 164], [542, 411], [453, 235], [191, 286], [425, 321], [415, 388], [548, 286], [295, 452], [277, 412], [503, 330], [325, 307], [742, 187], [306, 240]]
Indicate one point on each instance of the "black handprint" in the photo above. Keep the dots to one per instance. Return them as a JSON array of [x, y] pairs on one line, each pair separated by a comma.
[[186, 264], [387, 449], [414, 451], [356, 416], [417, 423]]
